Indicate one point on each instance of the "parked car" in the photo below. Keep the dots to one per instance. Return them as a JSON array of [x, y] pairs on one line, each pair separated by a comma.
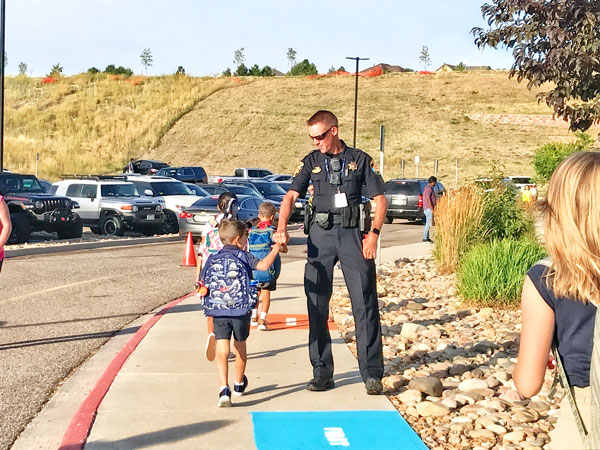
[[520, 182], [278, 178], [32, 209], [185, 174], [173, 194], [405, 198], [197, 215], [274, 192], [239, 189], [146, 166], [111, 206], [197, 190], [241, 173], [45, 185], [214, 189]]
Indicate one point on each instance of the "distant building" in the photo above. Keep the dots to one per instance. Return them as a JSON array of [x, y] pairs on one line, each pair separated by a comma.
[[451, 68], [277, 73], [387, 68]]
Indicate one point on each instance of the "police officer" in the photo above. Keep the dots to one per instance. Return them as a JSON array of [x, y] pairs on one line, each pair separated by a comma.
[[339, 231]]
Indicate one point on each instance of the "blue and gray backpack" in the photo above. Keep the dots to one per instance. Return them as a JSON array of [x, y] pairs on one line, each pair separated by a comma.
[[227, 274], [259, 243]]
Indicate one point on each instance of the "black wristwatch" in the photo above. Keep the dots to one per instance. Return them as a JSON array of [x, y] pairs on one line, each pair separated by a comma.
[[377, 231]]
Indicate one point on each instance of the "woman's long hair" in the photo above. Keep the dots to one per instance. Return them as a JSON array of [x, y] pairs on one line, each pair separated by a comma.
[[572, 228]]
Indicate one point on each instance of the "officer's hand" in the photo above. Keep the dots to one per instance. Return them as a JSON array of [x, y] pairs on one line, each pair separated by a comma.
[[281, 237], [370, 246]]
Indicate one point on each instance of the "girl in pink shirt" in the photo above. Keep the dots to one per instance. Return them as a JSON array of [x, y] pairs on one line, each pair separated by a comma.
[[5, 227]]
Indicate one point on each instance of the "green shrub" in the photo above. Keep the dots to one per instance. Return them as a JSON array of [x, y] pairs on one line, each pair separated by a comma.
[[548, 157], [304, 67], [492, 274], [503, 215]]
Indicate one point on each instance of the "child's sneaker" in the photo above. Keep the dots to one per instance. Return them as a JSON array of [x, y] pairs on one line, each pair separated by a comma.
[[211, 347], [254, 318], [224, 397], [238, 389], [263, 325]]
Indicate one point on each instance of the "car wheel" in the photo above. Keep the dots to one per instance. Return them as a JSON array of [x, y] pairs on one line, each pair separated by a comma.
[[171, 224], [73, 231], [388, 219], [21, 229], [112, 226]]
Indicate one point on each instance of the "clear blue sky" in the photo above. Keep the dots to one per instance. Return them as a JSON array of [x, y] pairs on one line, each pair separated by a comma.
[[202, 36]]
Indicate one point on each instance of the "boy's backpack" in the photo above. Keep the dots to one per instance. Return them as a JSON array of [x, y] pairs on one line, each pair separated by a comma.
[[227, 274], [260, 241], [590, 436], [212, 242]]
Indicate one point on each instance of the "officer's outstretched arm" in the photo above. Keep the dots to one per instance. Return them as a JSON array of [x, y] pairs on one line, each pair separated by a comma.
[[281, 236]]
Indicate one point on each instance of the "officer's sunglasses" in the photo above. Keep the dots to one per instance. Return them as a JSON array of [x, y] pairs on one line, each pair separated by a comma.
[[320, 137]]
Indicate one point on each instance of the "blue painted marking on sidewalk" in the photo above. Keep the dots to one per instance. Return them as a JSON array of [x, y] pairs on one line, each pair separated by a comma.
[[355, 430]]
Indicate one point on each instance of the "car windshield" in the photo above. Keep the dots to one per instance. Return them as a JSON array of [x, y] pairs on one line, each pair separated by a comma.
[[270, 189], [197, 190], [117, 190], [20, 183], [402, 187], [521, 180], [169, 188]]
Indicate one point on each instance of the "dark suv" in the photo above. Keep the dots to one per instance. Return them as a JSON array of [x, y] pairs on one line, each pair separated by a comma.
[[186, 174], [31, 209], [405, 198], [146, 166]]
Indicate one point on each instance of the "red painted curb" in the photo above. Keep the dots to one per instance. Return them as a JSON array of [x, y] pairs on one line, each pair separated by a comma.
[[81, 423]]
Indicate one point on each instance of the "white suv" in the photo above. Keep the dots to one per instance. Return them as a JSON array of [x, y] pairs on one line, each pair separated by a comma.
[[174, 195], [111, 206]]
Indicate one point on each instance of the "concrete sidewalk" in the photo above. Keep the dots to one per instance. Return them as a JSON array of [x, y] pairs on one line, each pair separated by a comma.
[[165, 394]]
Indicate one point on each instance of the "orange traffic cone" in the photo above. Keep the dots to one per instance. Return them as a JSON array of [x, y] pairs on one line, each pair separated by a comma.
[[189, 256]]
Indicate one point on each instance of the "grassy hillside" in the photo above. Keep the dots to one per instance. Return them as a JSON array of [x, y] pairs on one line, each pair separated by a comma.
[[91, 124]]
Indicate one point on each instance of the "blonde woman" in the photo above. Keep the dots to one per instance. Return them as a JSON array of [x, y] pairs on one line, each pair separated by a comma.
[[5, 227], [558, 299]]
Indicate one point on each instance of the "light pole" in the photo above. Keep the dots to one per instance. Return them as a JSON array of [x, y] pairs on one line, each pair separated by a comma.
[[357, 59], [2, 47]]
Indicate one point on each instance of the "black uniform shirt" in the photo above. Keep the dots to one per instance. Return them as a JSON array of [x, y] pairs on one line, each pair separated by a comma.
[[358, 169]]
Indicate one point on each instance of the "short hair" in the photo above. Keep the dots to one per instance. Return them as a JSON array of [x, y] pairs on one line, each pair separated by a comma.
[[229, 229], [267, 209], [571, 231], [432, 179], [325, 117], [224, 203]]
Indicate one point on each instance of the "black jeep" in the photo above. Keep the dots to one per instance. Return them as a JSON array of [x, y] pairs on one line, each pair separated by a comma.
[[31, 209]]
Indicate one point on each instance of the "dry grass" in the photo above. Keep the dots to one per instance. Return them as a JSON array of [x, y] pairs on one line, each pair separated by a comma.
[[93, 124], [262, 123], [458, 217]]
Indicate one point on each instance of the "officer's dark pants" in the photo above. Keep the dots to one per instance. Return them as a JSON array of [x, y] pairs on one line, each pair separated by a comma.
[[325, 248]]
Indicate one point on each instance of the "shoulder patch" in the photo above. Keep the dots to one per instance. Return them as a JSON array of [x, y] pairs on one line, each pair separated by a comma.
[[317, 169], [299, 168], [374, 167]]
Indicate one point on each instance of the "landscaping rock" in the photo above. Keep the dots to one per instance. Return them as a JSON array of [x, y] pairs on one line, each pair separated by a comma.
[[427, 385]]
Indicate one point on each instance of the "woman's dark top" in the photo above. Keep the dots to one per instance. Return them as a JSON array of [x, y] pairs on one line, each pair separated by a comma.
[[574, 329]]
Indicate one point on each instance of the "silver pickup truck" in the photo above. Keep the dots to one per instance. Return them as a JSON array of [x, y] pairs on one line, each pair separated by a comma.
[[242, 173]]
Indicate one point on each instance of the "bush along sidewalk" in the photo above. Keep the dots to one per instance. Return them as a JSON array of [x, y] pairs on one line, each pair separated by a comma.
[[492, 273]]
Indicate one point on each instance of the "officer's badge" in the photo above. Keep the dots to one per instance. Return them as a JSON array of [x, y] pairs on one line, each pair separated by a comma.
[[374, 167], [317, 169], [299, 169], [352, 166]]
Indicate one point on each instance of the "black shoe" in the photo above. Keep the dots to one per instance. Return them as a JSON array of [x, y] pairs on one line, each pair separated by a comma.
[[224, 398], [374, 386], [428, 240], [238, 389], [320, 384]]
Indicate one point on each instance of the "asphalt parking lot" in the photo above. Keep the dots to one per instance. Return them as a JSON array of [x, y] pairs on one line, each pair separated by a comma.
[[56, 310]]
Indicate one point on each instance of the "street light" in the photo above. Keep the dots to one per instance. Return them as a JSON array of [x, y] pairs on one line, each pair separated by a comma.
[[357, 59]]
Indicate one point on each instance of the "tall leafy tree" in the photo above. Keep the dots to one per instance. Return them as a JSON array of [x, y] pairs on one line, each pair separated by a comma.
[[555, 42], [22, 69], [146, 59], [291, 56], [56, 71], [425, 58]]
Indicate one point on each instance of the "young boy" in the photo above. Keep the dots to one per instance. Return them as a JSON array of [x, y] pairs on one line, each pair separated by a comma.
[[260, 243], [229, 300]]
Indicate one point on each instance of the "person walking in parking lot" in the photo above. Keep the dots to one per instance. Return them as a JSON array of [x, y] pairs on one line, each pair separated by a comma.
[[5, 227], [130, 168], [429, 201], [337, 232]]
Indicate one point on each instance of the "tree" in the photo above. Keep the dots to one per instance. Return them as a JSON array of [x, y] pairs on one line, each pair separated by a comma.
[[304, 67], [461, 67], [56, 71], [267, 72], [553, 41], [238, 57], [92, 70], [227, 72], [146, 59], [547, 158], [331, 69], [424, 58], [22, 69], [180, 71], [242, 71], [291, 56], [254, 71]]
